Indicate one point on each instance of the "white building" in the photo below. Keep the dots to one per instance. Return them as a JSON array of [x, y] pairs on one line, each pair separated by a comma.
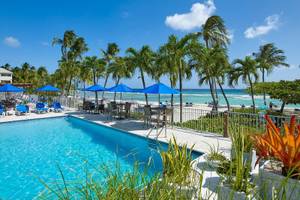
[[5, 76]]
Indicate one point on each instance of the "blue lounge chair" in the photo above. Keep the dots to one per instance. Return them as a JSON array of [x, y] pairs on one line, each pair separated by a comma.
[[57, 107], [41, 108], [22, 109], [2, 110]]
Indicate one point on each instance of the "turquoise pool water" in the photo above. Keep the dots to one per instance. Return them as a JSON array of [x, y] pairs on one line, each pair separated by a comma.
[[33, 149]]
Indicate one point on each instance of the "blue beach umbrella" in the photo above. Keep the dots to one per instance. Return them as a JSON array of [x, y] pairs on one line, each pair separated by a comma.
[[48, 88], [95, 88], [120, 88], [159, 88], [10, 88]]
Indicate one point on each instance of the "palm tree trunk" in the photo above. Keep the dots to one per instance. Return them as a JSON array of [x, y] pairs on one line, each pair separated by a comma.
[[263, 80], [282, 107], [252, 93], [180, 89], [172, 103], [105, 83], [83, 91], [96, 93], [215, 107], [115, 94], [144, 85], [224, 95], [69, 85]]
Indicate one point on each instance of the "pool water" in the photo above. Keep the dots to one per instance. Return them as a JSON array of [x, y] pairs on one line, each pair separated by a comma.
[[33, 150]]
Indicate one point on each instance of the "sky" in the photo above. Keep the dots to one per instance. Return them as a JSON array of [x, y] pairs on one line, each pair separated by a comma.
[[28, 27]]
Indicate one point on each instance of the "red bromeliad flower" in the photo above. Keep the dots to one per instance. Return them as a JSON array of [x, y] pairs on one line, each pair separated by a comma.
[[283, 147]]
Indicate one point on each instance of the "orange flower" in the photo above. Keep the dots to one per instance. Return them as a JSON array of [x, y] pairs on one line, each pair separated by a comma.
[[285, 148]]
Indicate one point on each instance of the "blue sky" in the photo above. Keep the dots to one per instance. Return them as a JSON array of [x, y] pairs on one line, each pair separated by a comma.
[[28, 27]]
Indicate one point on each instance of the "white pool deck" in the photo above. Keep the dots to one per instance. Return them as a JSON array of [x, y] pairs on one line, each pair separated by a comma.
[[201, 141]]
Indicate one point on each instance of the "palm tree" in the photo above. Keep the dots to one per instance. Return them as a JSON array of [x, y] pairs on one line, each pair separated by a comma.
[[165, 65], [95, 67], [178, 49], [210, 64], [119, 69], [269, 57], [214, 33], [247, 70], [42, 76], [143, 61], [72, 48], [108, 56]]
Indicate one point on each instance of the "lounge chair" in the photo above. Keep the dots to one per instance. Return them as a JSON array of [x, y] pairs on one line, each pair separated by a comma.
[[57, 107], [21, 109], [2, 110], [41, 108]]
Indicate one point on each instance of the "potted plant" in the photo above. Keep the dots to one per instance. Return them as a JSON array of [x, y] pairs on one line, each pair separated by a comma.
[[177, 167], [235, 173], [283, 148], [215, 157]]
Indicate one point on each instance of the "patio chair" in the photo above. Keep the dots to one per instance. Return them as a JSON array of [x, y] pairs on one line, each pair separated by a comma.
[[57, 107], [21, 109], [127, 109], [41, 108], [112, 109]]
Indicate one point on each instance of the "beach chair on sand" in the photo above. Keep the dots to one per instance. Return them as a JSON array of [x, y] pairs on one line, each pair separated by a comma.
[[41, 108], [21, 109], [57, 107]]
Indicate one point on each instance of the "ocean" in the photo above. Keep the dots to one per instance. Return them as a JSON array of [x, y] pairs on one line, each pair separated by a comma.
[[236, 97]]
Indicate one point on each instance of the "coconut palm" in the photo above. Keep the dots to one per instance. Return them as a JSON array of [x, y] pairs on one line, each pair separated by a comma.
[[92, 67], [108, 56], [269, 57], [247, 70], [210, 64], [42, 76], [72, 48], [178, 49], [142, 60], [119, 69], [165, 65], [214, 33]]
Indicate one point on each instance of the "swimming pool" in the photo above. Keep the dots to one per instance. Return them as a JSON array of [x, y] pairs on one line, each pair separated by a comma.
[[33, 149]]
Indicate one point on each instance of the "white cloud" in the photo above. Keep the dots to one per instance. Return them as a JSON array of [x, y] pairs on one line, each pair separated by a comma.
[[11, 42], [197, 16], [271, 23]]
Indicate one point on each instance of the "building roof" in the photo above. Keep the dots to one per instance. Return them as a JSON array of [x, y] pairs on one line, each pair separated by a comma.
[[2, 70]]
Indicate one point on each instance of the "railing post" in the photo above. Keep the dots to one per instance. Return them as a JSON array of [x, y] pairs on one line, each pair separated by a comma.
[[225, 127]]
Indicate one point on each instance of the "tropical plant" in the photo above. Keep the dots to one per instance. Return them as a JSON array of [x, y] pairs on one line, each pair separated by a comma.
[[119, 69], [177, 162], [288, 92], [72, 48], [143, 61], [247, 70], [94, 67], [42, 76], [268, 57], [283, 147], [109, 55], [178, 49], [165, 64], [212, 66], [214, 33]]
